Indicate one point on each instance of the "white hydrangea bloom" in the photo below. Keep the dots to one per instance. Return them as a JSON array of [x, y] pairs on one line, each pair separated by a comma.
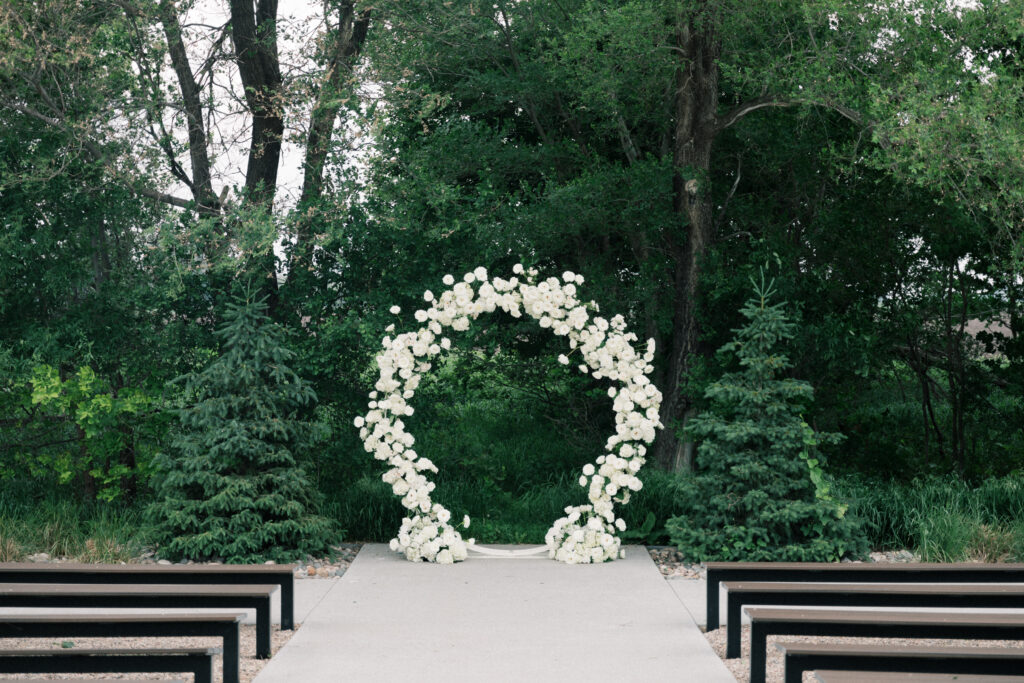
[[588, 532]]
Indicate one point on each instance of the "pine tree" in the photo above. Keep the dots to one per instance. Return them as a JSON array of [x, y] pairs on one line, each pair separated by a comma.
[[760, 493], [230, 487]]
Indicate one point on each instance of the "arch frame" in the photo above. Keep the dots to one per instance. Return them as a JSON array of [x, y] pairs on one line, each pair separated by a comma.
[[587, 533]]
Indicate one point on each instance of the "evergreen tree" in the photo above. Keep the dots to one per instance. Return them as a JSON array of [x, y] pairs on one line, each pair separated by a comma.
[[230, 486], [760, 493]]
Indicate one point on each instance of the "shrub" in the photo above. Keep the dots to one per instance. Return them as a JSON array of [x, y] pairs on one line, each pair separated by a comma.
[[230, 485], [760, 492]]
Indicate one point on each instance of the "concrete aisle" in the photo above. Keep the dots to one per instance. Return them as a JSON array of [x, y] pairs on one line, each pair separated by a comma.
[[490, 619]]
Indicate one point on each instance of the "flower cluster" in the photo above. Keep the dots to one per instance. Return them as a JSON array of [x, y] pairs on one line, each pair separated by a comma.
[[587, 533], [425, 537]]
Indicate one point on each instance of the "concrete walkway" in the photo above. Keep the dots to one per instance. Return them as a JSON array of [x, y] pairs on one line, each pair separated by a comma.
[[495, 619]]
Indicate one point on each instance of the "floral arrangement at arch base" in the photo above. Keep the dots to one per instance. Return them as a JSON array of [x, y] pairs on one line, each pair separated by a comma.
[[587, 533]]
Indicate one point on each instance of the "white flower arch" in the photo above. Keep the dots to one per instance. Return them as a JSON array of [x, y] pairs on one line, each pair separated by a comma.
[[588, 532]]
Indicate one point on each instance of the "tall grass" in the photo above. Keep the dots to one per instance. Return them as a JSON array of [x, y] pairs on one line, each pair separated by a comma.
[[67, 529], [943, 519]]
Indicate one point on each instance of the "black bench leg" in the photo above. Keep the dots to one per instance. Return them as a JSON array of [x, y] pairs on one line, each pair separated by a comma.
[[712, 601], [758, 653], [263, 629], [733, 627], [288, 604], [231, 654], [794, 671], [204, 671]]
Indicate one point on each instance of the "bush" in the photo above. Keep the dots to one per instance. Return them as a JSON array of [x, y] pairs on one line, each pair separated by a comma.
[[230, 487], [760, 492]]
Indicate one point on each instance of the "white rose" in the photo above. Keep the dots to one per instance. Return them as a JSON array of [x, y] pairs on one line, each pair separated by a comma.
[[395, 310]]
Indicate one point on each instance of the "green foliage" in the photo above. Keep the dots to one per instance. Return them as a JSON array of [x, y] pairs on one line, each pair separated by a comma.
[[101, 417], [84, 532], [79, 429], [943, 519], [231, 486], [759, 493]]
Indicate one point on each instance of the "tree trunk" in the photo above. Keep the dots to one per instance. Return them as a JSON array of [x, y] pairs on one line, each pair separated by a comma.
[[254, 35], [201, 182], [696, 107], [345, 48]]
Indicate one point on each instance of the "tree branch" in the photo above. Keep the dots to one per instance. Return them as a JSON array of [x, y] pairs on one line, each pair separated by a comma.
[[772, 102]]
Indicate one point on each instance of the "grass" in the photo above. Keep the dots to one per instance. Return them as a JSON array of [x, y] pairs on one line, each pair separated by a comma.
[[943, 519], [65, 529], [369, 511]]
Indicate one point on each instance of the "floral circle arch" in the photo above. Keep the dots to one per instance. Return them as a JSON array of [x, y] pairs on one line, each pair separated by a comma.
[[587, 533]]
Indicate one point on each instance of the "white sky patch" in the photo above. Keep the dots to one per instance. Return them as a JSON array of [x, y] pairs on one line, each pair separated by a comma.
[[228, 122]]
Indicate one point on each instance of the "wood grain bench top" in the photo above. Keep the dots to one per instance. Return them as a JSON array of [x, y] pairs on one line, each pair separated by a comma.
[[870, 566], [883, 617], [73, 567], [888, 588], [874, 650], [191, 617], [827, 676], [153, 589], [116, 652], [93, 680]]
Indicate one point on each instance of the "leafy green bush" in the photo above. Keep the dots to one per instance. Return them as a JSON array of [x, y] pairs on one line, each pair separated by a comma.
[[231, 487], [760, 493]]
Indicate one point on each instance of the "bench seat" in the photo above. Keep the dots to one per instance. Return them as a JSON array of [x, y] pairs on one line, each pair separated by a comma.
[[282, 575], [980, 595], [224, 626], [151, 596], [914, 660], [855, 572], [827, 676], [197, 661], [766, 621]]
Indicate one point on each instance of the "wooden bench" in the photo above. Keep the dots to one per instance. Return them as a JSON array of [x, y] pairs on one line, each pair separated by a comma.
[[1006, 595], [826, 676], [93, 680], [223, 626], [282, 575], [766, 621], [197, 661], [854, 660], [159, 596], [911, 572]]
